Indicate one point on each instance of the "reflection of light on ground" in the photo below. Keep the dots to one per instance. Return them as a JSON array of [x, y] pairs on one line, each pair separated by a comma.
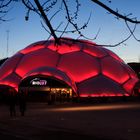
[[98, 107]]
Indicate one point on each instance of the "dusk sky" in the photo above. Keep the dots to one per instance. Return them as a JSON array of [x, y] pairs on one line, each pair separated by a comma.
[[112, 31]]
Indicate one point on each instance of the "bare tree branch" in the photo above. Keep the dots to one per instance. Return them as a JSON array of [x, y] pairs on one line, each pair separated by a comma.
[[131, 31], [6, 4], [124, 40], [52, 4], [45, 28], [45, 18], [118, 15], [70, 20], [28, 5], [4, 9], [70, 23], [54, 15]]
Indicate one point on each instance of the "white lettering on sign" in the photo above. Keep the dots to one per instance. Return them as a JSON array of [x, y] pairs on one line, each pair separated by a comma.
[[38, 82]]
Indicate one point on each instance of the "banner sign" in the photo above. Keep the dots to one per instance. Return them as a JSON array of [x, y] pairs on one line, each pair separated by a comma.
[[38, 82]]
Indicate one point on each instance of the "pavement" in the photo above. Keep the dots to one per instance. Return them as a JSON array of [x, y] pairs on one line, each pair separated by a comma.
[[110, 121]]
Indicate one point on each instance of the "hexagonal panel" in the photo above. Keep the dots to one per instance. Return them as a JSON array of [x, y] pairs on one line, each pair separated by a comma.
[[113, 55], [39, 58], [9, 65], [95, 51], [64, 48], [128, 86], [100, 86], [33, 47], [79, 66], [11, 80], [114, 70], [130, 71]]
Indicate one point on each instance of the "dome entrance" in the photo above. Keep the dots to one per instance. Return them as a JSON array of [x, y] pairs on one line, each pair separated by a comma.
[[48, 89]]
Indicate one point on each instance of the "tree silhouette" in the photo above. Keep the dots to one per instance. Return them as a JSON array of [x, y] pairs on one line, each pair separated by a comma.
[[44, 8], [49, 9], [4, 5]]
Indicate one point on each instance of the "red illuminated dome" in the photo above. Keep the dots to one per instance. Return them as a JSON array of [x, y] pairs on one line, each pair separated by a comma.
[[89, 69]]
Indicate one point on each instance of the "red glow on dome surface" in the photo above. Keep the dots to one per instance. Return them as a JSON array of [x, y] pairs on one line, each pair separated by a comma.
[[114, 70], [79, 67], [90, 70]]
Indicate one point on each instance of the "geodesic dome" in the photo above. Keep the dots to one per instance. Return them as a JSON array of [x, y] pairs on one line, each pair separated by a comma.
[[89, 69]]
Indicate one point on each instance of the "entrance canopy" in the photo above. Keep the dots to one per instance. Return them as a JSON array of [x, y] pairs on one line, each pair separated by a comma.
[[52, 72]]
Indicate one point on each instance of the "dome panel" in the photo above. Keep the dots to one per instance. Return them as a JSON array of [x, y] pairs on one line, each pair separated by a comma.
[[113, 55], [34, 47], [128, 86], [79, 66], [114, 70], [86, 42], [130, 71], [100, 86], [96, 51], [9, 65], [64, 48], [11, 80], [39, 58]]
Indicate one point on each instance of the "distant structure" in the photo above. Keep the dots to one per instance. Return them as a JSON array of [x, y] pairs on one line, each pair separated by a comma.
[[136, 67], [2, 61]]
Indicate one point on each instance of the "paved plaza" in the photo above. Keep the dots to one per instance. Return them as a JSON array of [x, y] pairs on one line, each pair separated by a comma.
[[111, 121]]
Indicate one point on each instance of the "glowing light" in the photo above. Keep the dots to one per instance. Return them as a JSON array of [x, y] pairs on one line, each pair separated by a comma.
[[103, 95], [97, 107], [37, 81], [33, 47], [95, 51], [79, 67], [130, 84], [64, 48], [114, 70]]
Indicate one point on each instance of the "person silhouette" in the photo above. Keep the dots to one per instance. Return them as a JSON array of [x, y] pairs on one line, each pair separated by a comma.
[[12, 102], [22, 102]]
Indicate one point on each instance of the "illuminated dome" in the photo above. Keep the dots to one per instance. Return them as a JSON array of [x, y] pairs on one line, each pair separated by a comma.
[[89, 69]]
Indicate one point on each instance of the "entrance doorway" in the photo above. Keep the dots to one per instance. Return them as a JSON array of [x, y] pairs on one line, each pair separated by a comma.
[[46, 89]]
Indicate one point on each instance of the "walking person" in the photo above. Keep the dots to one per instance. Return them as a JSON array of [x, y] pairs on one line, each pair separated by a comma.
[[12, 102], [22, 102]]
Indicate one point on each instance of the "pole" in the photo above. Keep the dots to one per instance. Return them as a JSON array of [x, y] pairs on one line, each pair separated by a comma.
[[7, 49]]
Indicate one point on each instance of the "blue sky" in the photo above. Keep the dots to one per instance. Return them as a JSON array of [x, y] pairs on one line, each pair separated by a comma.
[[23, 33]]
